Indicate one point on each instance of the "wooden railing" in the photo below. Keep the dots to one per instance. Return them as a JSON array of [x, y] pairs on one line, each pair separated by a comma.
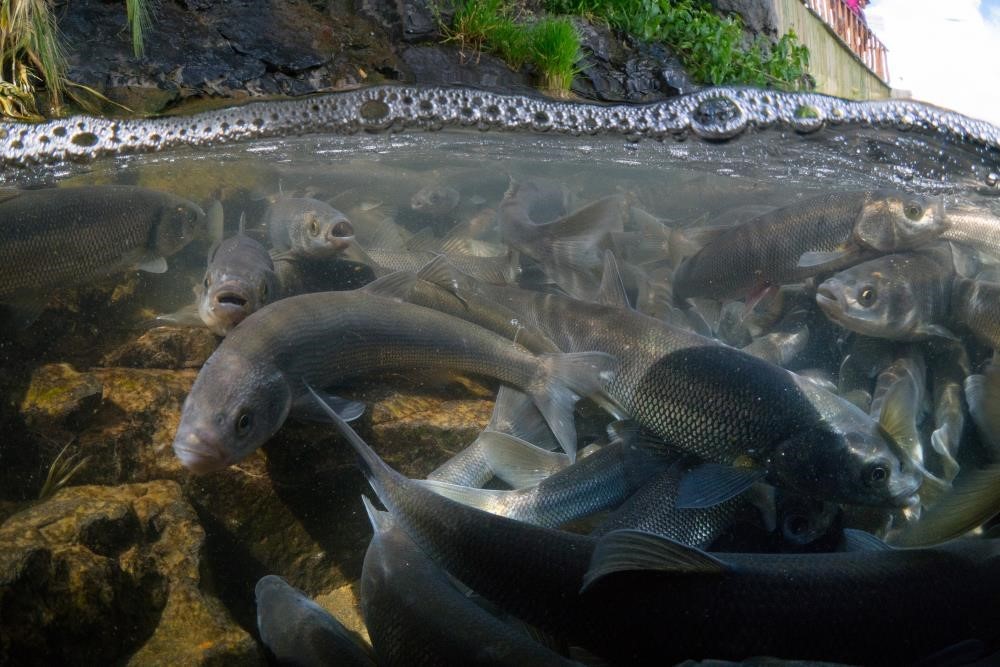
[[855, 33]]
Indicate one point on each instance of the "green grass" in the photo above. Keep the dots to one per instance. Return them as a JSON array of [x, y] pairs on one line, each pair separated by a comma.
[[551, 46], [31, 54], [711, 47], [556, 50]]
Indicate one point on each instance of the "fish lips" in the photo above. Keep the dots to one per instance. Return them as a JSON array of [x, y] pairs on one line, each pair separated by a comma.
[[198, 452]]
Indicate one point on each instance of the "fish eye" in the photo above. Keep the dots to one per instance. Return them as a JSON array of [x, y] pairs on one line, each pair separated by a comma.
[[877, 473], [796, 524], [913, 211], [244, 424], [866, 295]]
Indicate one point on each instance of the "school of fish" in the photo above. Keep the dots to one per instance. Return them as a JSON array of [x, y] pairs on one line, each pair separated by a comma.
[[776, 433]]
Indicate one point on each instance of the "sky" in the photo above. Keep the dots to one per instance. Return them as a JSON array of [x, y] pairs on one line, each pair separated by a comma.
[[946, 52]]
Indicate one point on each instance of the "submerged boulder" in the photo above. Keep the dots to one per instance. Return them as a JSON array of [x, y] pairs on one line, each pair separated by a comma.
[[102, 575]]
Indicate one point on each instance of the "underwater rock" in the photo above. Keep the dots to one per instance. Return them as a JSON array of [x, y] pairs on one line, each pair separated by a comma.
[[97, 574], [344, 604], [165, 347], [265, 509]]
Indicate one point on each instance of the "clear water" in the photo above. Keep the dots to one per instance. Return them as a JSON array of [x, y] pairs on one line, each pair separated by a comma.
[[292, 508]]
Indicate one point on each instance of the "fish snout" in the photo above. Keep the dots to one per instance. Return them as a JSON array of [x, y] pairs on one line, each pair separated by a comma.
[[827, 297], [197, 450]]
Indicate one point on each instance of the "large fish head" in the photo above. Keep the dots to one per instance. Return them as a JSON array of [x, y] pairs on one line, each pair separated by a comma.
[[868, 299], [844, 457], [179, 223], [233, 408], [320, 231], [240, 280], [891, 221]]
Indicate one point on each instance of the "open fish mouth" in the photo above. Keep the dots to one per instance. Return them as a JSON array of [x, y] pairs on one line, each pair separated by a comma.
[[826, 298], [231, 299]]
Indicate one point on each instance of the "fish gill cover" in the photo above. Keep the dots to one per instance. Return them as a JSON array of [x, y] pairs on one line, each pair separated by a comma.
[[714, 115]]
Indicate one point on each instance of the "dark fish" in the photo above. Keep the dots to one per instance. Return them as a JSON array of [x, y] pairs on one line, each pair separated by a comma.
[[900, 297], [299, 632], [248, 386], [63, 237], [239, 280], [976, 306], [652, 509], [982, 391], [603, 480], [636, 598], [306, 226], [821, 234], [417, 616], [755, 419]]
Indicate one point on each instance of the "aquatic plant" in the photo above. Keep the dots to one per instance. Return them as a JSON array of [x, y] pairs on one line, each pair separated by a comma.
[[710, 46], [552, 46], [31, 54], [61, 471]]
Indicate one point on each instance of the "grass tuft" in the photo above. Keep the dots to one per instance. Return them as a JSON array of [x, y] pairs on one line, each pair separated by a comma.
[[556, 50], [61, 471]]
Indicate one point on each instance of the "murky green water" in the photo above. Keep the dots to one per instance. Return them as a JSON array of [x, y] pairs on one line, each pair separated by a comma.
[[795, 314]]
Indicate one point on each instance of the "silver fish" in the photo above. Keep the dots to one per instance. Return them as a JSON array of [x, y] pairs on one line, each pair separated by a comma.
[[297, 631], [435, 200], [248, 386], [820, 234], [976, 306], [64, 237], [900, 297], [306, 226], [239, 280]]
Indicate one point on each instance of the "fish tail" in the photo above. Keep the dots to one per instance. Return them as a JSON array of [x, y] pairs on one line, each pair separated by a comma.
[[564, 379]]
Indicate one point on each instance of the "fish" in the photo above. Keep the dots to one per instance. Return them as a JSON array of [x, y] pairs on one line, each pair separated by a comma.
[[297, 631], [825, 233], [600, 481], [982, 391], [239, 280], [500, 270], [54, 238], [782, 346], [569, 249], [899, 297], [306, 226], [752, 419], [514, 418], [416, 615], [628, 596], [975, 227], [435, 200], [976, 306], [950, 366], [249, 385], [805, 523], [652, 509]]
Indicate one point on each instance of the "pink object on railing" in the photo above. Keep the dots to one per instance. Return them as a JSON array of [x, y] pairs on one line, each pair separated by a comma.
[[846, 19]]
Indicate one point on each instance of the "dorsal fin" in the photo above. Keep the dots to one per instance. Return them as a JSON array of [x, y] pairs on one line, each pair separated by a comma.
[[612, 289]]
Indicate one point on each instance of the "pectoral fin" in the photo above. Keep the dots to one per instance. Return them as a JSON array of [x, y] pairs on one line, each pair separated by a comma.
[[711, 484], [153, 265]]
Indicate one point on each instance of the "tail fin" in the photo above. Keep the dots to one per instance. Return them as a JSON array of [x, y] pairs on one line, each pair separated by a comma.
[[565, 378], [517, 462]]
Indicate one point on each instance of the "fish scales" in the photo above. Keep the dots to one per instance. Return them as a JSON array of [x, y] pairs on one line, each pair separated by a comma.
[[977, 306], [672, 381], [66, 236], [652, 509], [766, 250], [496, 270], [806, 606]]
